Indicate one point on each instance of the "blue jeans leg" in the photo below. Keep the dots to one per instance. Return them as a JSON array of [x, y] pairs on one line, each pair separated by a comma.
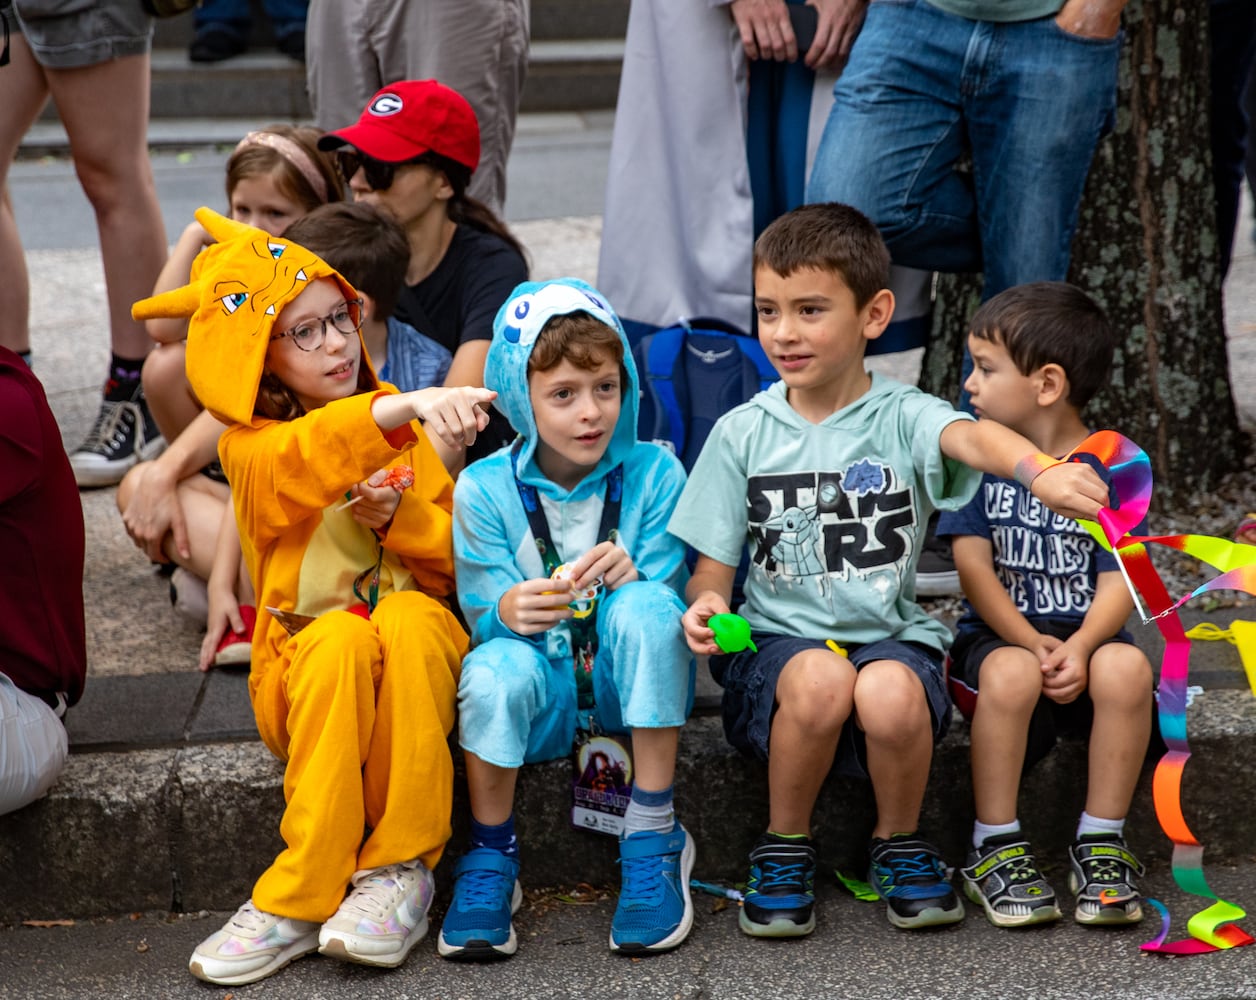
[[924, 88]]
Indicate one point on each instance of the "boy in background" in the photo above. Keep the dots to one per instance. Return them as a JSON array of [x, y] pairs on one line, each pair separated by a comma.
[[1044, 640], [830, 476], [571, 587]]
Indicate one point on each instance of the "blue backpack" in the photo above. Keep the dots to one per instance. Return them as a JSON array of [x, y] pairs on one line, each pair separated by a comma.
[[691, 374]]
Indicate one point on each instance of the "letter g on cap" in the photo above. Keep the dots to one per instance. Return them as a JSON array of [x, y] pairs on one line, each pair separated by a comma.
[[385, 105]]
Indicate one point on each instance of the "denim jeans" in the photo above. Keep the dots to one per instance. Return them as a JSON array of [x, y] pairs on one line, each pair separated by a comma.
[[924, 92]]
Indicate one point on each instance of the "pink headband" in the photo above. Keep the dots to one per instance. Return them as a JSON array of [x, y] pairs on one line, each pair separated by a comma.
[[291, 152]]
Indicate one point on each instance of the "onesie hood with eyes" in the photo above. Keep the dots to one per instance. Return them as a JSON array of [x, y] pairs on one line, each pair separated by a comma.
[[237, 288], [515, 330]]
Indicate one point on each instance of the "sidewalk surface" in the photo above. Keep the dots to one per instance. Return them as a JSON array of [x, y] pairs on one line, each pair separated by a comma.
[[170, 802]]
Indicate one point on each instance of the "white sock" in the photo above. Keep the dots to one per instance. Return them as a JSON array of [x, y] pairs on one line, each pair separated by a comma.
[[640, 816], [1095, 824], [984, 831]]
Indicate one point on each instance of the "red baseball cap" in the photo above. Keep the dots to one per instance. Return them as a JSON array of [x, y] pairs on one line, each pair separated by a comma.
[[409, 118]]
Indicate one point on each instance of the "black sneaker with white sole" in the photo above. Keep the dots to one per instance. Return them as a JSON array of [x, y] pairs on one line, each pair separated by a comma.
[[936, 575], [124, 434], [1002, 877], [1101, 878]]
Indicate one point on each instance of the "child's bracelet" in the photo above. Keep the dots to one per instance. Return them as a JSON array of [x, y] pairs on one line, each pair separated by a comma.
[[1031, 467]]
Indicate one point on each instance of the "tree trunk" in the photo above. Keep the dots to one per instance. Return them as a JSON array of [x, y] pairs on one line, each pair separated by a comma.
[[1146, 249]]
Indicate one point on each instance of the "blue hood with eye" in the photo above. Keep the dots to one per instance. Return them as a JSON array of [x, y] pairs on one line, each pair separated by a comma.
[[515, 329]]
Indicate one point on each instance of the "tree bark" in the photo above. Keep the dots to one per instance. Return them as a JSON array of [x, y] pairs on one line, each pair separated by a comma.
[[1146, 249]]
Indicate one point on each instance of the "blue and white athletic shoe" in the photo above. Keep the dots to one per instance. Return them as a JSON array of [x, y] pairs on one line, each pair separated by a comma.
[[654, 912], [487, 894]]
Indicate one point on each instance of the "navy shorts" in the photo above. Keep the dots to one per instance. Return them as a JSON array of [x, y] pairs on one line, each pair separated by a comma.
[[1050, 719], [749, 681]]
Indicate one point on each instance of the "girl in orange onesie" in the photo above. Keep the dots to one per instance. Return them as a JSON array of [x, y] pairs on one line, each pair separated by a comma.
[[355, 658]]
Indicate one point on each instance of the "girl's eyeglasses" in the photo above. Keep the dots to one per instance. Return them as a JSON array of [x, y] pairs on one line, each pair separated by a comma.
[[379, 175], [310, 334]]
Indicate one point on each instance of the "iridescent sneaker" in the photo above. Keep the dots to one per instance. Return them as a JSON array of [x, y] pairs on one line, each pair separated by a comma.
[[654, 912], [487, 894], [124, 434], [252, 945], [908, 874], [382, 918], [1101, 877], [780, 895], [1002, 877]]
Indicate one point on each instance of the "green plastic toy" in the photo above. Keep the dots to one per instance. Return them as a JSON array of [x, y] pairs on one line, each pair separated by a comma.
[[732, 633]]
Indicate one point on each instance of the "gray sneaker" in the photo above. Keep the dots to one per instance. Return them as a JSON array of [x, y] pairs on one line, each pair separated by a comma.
[[1101, 877], [1002, 877], [124, 434]]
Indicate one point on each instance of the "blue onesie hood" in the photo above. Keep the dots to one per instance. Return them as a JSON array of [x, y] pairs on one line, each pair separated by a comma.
[[517, 325]]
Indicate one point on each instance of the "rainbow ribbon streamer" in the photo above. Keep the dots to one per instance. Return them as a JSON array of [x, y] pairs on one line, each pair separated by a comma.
[[1215, 927]]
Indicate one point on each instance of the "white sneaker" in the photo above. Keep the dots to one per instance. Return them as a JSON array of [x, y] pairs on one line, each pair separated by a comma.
[[189, 595], [382, 918], [252, 945]]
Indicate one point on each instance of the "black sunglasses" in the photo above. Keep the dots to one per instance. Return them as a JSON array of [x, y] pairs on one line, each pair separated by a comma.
[[379, 175]]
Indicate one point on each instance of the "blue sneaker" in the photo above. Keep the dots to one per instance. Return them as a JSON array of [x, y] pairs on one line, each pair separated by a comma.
[[909, 875], [654, 912], [780, 896], [487, 894]]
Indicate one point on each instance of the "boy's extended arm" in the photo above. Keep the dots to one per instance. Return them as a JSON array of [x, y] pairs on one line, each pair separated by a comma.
[[1072, 489], [974, 558], [708, 593]]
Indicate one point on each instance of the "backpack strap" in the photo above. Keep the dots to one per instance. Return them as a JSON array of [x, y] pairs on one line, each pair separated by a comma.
[[660, 351]]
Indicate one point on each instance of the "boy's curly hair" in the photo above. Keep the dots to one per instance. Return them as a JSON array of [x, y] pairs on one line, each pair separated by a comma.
[[581, 339]]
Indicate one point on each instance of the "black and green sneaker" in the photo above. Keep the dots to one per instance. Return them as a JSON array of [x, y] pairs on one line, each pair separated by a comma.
[[909, 875], [1003, 878], [1101, 877], [780, 895]]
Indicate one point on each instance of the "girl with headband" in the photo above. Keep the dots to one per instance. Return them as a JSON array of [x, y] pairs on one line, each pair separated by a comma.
[[173, 505]]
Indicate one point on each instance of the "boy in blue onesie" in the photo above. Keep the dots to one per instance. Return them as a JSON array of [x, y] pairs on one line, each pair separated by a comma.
[[575, 505], [830, 476]]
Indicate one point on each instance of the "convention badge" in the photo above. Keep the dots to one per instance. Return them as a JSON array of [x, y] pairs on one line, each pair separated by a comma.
[[602, 784]]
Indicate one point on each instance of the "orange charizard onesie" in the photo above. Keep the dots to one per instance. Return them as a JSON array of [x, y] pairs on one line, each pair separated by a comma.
[[360, 709]]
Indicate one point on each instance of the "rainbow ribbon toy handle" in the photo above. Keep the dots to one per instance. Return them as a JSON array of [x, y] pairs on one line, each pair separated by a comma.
[[1215, 927]]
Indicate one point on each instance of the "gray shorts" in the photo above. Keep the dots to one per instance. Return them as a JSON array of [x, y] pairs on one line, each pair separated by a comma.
[[68, 34]]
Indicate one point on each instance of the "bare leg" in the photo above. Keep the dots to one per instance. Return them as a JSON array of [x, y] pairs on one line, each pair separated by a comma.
[[25, 91], [1010, 684], [166, 388], [891, 709], [1120, 687], [814, 697], [492, 790], [654, 758], [105, 111]]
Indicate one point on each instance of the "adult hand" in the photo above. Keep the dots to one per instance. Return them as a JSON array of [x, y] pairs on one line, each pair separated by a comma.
[[154, 512], [533, 606], [1091, 18], [837, 27], [765, 28]]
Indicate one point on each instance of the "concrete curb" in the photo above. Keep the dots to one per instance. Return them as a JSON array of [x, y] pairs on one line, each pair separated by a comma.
[[191, 828]]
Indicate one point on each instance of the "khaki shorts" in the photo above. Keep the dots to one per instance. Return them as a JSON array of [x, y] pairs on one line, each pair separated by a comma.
[[66, 34]]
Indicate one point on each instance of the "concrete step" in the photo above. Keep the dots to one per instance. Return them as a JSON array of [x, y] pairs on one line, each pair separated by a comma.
[[563, 75], [178, 806]]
